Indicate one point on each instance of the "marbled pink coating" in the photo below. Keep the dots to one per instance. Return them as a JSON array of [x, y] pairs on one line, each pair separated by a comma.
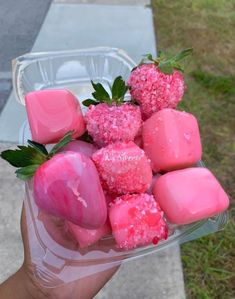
[[189, 195], [68, 186], [86, 237], [137, 220], [80, 146], [154, 90], [52, 113], [123, 168], [110, 123], [172, 140]]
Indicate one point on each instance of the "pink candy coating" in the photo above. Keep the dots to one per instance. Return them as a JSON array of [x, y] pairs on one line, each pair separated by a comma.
[[137, 220], [110, 123], [172, 140], [123, 168], [154, 90], [52, 113], [189, 195], [86, 237], [62, 188]]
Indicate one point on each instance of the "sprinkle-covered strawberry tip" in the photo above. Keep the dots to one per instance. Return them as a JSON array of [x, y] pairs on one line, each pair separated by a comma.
[[112, 119], [158, 83], [28, 158]]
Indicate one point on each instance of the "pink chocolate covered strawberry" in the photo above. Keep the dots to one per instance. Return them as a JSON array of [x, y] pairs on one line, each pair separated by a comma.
[[61, 182], [123, 168], [158, 83], [111, 119], [137, 220]]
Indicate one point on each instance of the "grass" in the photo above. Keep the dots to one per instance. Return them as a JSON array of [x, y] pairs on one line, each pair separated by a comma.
[[209, 267], [209, 27]]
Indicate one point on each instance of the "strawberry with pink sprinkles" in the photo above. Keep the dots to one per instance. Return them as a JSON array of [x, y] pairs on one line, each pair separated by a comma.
[[123, 168], [159, 83], [111, 119], [137, 220], [110, 123]]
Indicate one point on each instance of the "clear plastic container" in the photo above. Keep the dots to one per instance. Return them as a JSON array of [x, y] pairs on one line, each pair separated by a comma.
[[56, 257]]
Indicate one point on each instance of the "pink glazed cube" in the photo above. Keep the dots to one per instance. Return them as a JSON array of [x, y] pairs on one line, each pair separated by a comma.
[[171, 140], [52, 113], [86, 237], [189, 195]]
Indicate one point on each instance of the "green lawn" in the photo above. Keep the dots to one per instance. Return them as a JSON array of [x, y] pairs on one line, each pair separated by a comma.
[[209, 27]]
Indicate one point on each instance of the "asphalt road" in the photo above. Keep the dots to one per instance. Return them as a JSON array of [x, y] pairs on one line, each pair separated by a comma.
[[20, 22]]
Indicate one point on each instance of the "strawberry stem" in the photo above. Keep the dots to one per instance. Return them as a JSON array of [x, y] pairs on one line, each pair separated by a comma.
[[167, 63], [118, 90]]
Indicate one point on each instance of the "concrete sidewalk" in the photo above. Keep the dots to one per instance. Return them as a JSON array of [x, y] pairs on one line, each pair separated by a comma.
[[70, 25]]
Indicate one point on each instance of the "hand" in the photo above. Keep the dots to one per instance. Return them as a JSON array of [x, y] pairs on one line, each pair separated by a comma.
[[23, 284]]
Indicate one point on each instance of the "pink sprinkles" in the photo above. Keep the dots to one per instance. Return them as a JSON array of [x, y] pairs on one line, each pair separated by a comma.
[[110, 123], [137, 220], [154, 90], [123, 168]]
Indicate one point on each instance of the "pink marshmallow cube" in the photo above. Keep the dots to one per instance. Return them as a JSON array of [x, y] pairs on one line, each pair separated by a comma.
[[171, 140], [52, 113], [86, 237], [189, 195]]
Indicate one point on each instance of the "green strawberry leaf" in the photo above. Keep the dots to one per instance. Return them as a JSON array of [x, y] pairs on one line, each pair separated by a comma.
[[146, 58], [63, 141], [89, 102], [26, 172], [119, 89], [100, 94], [167, 63], [177, 66], [23, 156], [149, 57], [38, 146], [166, 67], [161, 54], [183, 54]]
